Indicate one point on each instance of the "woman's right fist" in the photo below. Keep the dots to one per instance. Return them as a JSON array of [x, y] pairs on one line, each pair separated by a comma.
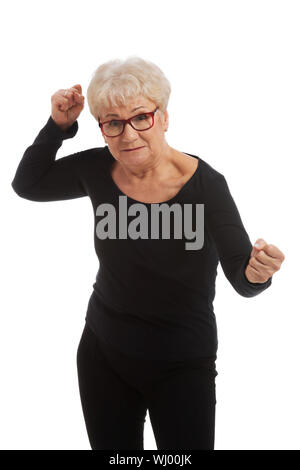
[[66, 106]]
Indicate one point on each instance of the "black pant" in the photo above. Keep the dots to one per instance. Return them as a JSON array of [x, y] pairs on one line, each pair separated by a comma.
[[116, 390]]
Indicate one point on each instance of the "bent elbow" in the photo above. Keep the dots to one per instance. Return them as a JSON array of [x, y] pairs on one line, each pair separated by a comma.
[[23, 193], [16, 189]]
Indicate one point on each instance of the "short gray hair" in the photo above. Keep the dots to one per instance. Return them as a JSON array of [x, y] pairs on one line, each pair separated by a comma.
[[116, 81]]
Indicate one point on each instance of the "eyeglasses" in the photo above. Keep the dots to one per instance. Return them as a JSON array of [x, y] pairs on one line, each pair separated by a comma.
[[139, 122]]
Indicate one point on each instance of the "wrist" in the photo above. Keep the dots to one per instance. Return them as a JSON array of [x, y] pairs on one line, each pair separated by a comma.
[[62, 127], [251, 278]]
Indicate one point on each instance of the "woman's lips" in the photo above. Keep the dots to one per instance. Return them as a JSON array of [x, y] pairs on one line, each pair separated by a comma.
[[131, 150]]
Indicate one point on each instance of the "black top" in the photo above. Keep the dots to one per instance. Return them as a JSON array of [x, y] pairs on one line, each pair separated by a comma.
[[153, 295]]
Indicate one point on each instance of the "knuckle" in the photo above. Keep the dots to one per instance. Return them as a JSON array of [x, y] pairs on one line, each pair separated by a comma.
[[259, 255]]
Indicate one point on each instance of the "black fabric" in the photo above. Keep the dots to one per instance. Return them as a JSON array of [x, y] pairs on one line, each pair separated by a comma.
[[117, 390], [151, 298]]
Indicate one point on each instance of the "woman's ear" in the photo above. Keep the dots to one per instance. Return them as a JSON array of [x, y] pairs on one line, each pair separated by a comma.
[[103, 135], [165, 120]]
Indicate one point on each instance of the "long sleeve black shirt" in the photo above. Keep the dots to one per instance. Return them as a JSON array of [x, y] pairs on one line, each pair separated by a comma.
[[152, 297]]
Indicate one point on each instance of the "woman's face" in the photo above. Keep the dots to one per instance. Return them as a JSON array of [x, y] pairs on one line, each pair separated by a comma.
[[152, 140]]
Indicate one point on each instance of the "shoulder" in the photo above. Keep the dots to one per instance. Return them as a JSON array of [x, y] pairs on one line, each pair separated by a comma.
[[207, 171], [94, 156], [211, 182]]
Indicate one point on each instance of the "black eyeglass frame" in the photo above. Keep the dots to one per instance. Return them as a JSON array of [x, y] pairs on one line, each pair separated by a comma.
[[125, 121]]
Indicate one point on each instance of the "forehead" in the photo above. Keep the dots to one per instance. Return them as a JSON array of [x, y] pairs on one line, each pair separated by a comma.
[[133, 106]]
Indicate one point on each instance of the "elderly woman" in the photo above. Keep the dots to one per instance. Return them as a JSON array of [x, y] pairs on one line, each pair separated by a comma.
[[163, 221]]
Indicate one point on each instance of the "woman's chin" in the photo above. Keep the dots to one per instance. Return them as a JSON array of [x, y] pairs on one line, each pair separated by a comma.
[[136, 157]]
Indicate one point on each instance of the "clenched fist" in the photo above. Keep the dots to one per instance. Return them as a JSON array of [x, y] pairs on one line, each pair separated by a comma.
[[66, 106], [264, 261]]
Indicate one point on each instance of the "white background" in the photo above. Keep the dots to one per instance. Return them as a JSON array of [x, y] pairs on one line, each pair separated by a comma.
[[234, 72]]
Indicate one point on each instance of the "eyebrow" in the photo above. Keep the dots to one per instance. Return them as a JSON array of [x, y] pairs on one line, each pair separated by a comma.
[[111, 114]]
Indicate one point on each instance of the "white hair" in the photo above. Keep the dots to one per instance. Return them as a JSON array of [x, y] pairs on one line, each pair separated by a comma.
[[116, 81]]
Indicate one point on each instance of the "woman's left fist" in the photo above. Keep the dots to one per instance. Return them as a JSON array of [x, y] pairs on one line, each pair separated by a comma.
[[264, 261]]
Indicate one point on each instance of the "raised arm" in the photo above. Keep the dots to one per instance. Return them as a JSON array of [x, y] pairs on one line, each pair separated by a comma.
[[39, 177], [229, 234]]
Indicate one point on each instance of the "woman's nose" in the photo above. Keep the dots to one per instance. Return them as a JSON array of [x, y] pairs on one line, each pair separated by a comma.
[[129, 132]]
